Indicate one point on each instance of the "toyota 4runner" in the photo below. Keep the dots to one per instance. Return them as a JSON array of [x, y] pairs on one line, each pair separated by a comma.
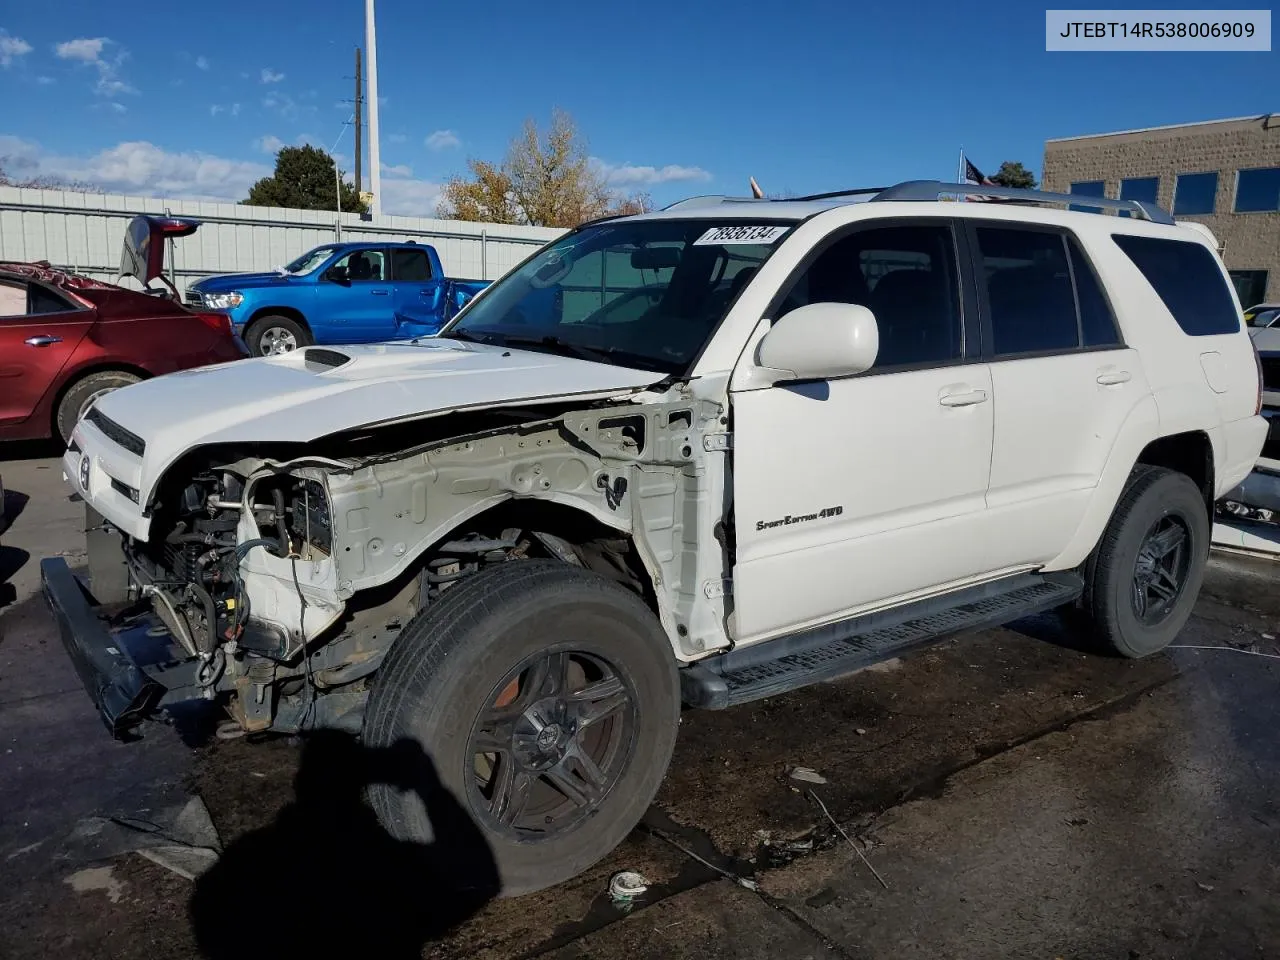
[[692, 457]]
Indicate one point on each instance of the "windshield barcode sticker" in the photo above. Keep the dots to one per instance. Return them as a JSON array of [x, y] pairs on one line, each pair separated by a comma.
[[743, 234]]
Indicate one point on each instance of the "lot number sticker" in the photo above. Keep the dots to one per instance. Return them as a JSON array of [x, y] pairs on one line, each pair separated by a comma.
[[743, 234]]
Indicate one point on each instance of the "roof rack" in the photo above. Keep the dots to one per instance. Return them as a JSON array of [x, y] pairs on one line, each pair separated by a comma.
[[927, 190], [857, 191]]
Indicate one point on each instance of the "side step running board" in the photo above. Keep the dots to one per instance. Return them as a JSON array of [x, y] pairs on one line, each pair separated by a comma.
[[833, 651]]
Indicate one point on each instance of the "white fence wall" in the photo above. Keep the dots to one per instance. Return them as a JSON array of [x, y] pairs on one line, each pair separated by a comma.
[[84, 232]]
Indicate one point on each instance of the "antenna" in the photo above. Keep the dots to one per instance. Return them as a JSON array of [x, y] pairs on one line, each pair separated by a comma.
[[756, 192]]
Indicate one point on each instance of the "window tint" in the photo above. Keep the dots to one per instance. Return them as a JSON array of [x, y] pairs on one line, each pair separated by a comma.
[[1188, 279], [1088, 188], [40, 300], [1194, 193], [1097, 322], [906, 276], [410, 265], [1029, 298], [364, 265], [1258, 190]]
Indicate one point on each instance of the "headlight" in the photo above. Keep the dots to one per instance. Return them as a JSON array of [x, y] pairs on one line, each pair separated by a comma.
[[223, 301]]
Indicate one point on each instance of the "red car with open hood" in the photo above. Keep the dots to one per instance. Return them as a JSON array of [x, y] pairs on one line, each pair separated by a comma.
[[66, 339]]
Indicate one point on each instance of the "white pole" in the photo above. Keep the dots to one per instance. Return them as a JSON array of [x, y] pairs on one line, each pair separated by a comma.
[[375, 166], [959, 169]]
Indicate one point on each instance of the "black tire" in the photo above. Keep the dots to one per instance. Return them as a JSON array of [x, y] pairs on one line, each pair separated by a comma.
[[1165, 506], [76, 399], [455, 663], [276, 329]]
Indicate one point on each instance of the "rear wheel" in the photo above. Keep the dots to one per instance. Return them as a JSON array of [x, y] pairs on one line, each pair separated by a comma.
[[548, 699], [273, 335], [76, 401], [1143, 579]]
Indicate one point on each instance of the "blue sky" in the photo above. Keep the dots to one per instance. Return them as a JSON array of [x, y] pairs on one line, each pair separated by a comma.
[[675, 98]]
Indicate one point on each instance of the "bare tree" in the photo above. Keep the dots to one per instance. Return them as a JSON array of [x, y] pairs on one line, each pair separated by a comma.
[[44, 183], [544, 180]]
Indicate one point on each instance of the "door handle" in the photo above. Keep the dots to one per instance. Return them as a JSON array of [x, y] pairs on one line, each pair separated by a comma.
[[1109, 378], [42, 341], [380, 293], [963, 398]]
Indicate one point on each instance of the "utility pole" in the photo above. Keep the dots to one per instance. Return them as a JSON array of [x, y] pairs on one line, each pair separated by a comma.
[[359, 124], [375, 153]]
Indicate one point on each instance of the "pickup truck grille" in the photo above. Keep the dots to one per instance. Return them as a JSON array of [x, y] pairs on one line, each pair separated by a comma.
[[118, 434], [195, 298]]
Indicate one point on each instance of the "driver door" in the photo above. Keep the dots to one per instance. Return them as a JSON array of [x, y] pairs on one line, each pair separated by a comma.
[[862, 491], [355, 298]]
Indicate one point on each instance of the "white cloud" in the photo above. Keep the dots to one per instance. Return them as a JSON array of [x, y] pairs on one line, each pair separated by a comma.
[[215, 109], [270, 76], [202, 63], [117, 107], [442, 140], [45, 81], [631, 175], [89, 51], [397, 138], [12, 47], [402, 170], [140, 168], [410, 198], [235, 109], [282, 104], [268, 144]]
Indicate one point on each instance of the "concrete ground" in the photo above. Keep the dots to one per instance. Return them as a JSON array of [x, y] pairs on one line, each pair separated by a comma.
[[1018, 797]]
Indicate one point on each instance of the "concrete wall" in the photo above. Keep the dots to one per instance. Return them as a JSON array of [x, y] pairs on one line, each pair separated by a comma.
[[1251, 240], [84, 232]]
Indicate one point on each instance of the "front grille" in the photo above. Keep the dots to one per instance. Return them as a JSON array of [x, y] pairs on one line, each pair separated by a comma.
[[195, 298], [1271, 372], [118, 434]]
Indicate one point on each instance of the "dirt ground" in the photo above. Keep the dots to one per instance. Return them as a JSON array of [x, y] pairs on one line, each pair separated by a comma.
[[1018, 796]]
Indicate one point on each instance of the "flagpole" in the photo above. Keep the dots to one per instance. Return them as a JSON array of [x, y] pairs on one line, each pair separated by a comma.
[[960, 168]]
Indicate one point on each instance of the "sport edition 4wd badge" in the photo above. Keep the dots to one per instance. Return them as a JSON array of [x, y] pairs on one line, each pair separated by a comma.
[[789, 519]]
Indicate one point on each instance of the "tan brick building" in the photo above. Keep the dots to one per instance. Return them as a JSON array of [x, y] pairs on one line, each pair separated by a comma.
[[1224, 173]]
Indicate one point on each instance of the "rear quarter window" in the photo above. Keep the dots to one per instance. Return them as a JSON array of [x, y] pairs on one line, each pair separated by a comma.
[[1187, 278]]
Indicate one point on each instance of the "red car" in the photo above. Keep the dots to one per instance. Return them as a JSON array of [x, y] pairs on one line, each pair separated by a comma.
[[66, 340]]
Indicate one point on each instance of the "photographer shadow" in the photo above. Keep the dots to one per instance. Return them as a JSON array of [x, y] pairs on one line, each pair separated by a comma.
[[325, 879]]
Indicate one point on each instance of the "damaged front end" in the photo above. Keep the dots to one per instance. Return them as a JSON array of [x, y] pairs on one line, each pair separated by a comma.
[[275, 586]]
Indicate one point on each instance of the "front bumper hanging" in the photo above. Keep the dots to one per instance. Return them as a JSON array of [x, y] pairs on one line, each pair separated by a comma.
[[120, 665]]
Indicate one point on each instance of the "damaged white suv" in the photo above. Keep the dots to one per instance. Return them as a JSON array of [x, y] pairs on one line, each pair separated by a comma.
[[699, 456]]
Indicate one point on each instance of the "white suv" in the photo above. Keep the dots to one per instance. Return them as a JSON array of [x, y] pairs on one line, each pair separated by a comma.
[[698, 456]]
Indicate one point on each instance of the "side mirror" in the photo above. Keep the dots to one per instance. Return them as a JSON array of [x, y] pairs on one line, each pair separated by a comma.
[[819, 341]]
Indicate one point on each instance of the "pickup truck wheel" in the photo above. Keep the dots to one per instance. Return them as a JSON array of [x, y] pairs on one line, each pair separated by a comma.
[[271, 335], [548, 698], [76, 401], [1144, 576]]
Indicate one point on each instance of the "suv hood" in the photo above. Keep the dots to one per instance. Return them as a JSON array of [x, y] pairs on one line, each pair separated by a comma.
[[308, 394]]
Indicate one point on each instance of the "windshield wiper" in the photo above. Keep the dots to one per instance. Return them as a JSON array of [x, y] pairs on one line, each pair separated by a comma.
[[563, 346]]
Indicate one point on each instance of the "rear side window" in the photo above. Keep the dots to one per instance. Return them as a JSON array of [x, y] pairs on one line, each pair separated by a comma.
[[410, 265], [1186, 276], [1030, 303]]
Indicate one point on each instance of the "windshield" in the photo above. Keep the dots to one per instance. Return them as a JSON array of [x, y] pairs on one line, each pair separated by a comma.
[[1264, 317], [310, 260], [645, 293]]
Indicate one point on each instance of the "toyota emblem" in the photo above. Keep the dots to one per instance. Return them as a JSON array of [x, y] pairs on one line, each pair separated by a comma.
[[84, 473]]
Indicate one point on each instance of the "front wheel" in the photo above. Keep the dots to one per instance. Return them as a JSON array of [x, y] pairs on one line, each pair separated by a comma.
[[269, 336], [548, 699], [1143, 579], [79, 398]]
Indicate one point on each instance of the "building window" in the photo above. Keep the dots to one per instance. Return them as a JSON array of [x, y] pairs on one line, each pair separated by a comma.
[[1088, 188], [1139, 188], [1193, 193], [1251, 286], [1258, 190]]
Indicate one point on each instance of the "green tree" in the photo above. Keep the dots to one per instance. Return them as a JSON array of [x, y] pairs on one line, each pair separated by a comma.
[[545, 180], [1014, 174], [304, 180]]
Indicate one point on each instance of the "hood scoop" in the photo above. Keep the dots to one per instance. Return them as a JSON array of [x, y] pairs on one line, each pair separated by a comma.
[[316, 359]]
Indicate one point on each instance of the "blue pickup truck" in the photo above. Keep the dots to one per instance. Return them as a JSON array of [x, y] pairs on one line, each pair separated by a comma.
[[338, 293]]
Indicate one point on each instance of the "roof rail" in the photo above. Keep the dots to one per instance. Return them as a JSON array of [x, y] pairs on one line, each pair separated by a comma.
[[710, 200], [927, 190], [841, 193]]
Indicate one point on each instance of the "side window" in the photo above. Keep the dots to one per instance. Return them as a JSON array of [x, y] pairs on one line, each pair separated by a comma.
[[1187, 278], [1030, 302], [13, 299], [364, 265], [412, 266], [906, 276], [40, 300], [1097, 322]]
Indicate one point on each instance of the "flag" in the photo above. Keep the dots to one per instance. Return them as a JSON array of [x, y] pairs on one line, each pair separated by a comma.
[[973, 175]]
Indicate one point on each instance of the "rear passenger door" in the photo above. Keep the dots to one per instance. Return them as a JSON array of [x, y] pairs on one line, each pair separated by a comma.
[[1063, 383], [418, 295]]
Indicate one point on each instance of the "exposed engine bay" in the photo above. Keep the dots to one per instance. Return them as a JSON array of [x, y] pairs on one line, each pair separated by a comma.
[[284, 582]]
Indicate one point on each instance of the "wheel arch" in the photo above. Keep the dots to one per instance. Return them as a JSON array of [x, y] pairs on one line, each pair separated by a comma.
[[293, 313], [88, 370]]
